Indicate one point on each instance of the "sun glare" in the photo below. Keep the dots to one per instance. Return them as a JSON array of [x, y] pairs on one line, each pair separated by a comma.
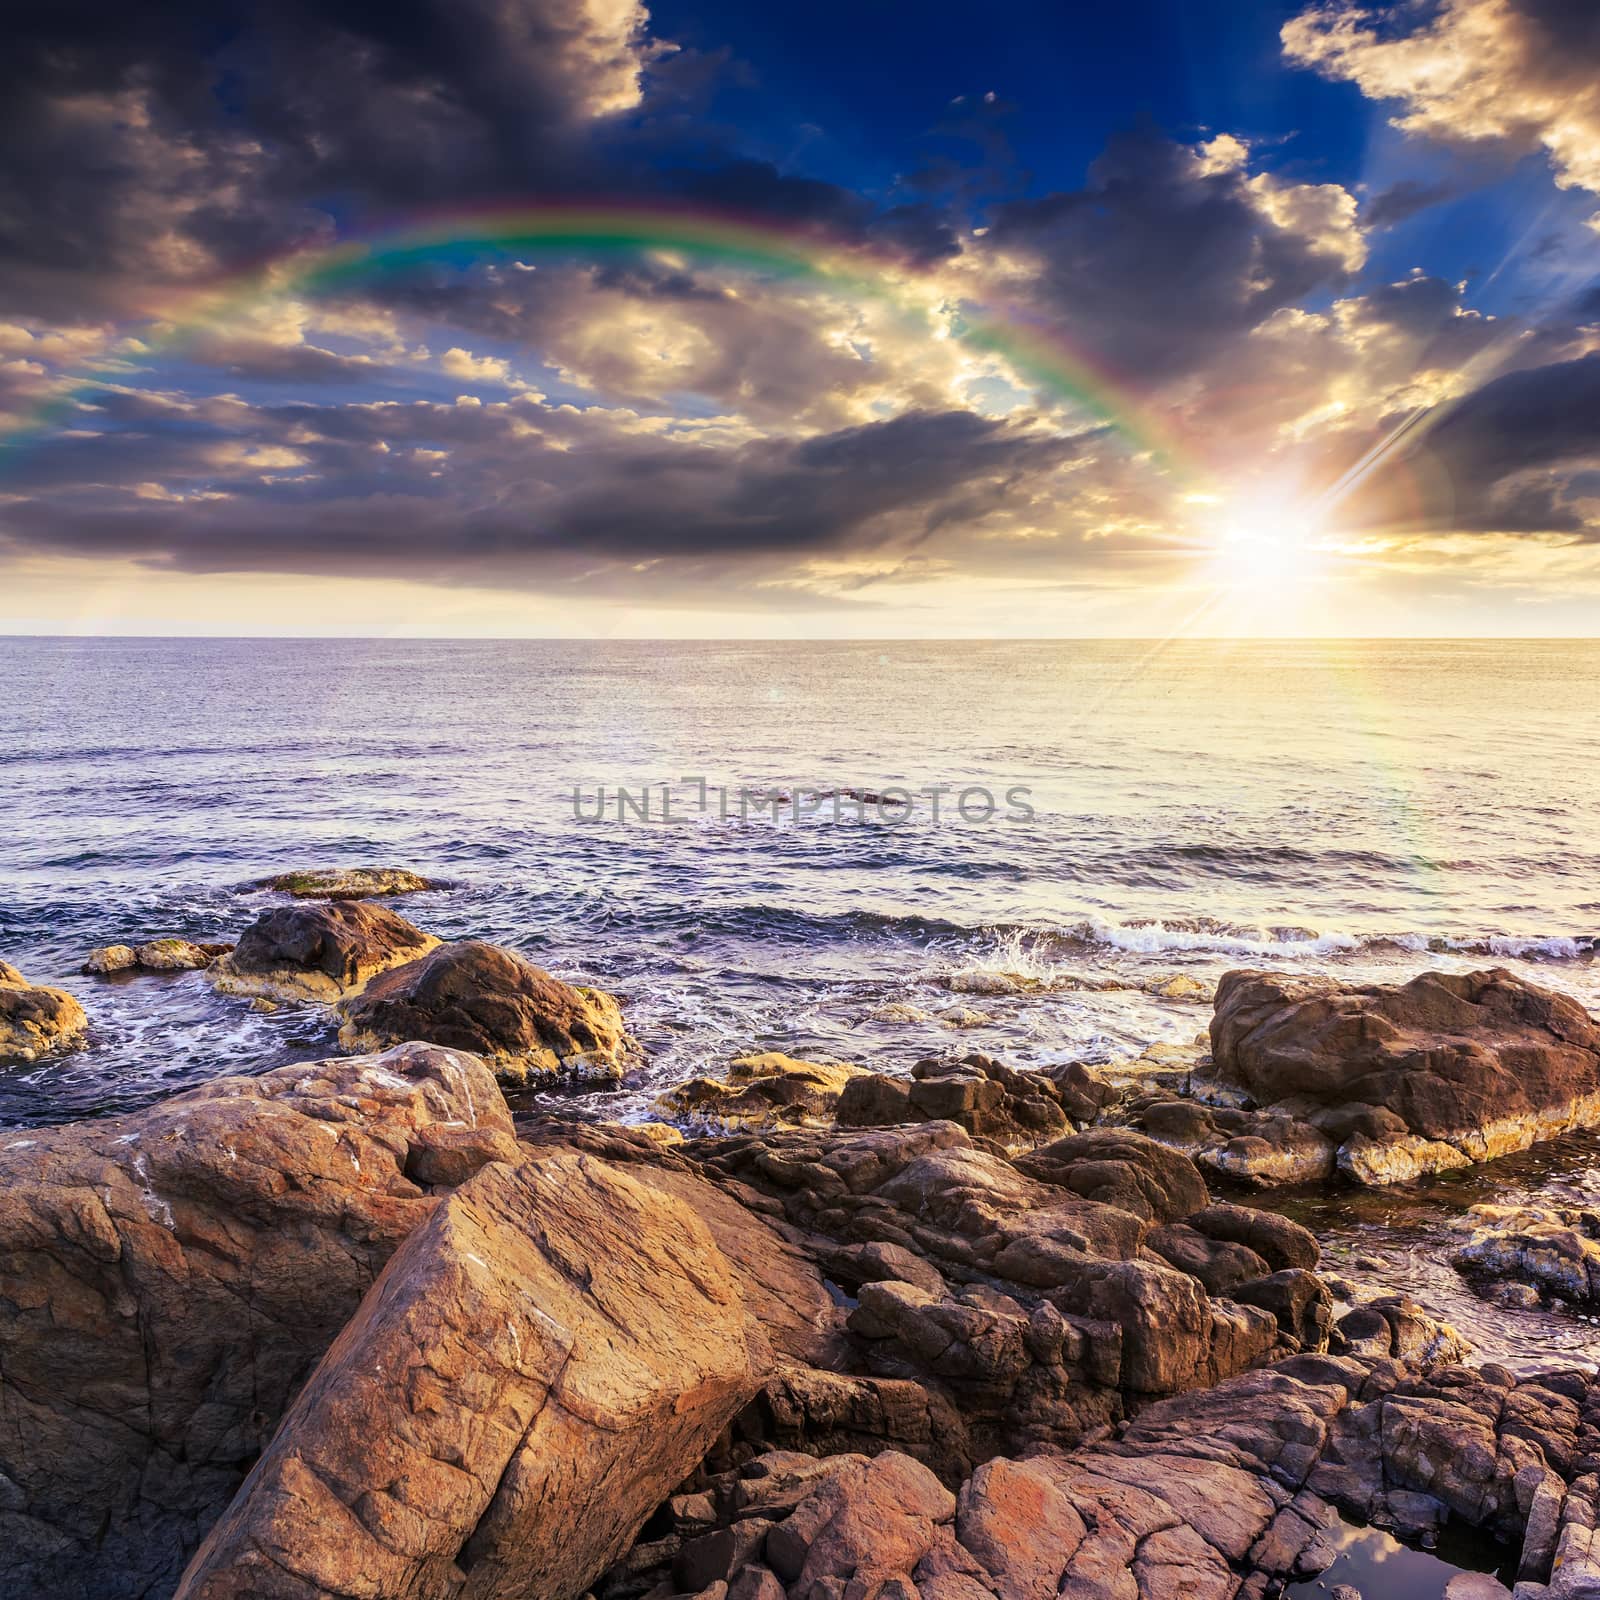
[[1262, 548]]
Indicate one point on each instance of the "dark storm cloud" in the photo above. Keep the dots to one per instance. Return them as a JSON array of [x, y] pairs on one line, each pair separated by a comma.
[[1160, 264], [1512, 457], [516, 493], [154, 140]]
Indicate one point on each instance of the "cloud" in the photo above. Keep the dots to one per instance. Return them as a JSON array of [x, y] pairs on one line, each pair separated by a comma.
[[1517, 455], [1403, 200], [516, 492], [459, 363], [1172, 252], [159, 143], [1523, 73]]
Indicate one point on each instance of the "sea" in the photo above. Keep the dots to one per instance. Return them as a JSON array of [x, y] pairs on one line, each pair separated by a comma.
[[645, 816], [862, 852]]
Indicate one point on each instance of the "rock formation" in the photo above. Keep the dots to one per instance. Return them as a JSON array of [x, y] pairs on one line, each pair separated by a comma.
[[36, 1020], [348, 883], [541, 1362], [1014, 1110], [1261, 1149], [1017, 1304], [1217, 1494], [960, 1336], [1409, 1078], [171, 1276], [476, 996], [319, 952]]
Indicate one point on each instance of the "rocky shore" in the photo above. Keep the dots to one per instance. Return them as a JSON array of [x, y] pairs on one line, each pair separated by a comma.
[[355, 1327]]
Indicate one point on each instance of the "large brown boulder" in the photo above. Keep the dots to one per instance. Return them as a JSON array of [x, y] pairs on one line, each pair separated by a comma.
[[539, 1365], [1412, 1077], [476, 996], [170, 1277], [319, 952], [34, 1019]]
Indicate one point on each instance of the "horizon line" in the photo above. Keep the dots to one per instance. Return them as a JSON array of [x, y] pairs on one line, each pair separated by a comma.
[[814, 639]]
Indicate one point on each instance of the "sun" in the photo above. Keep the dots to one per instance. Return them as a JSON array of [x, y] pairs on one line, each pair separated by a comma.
[[1262, 546]]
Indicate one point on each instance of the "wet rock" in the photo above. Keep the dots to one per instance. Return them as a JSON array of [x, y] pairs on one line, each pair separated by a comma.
[[1553, 1251], [1014, 1110], [178, 955], [348, 883], [764, 1090], [1414, 1077], [494, 1420], [171, 1277], [318, 952], [109, 958], [1400, 1158], [1179, 986], [36, 1020], [475, 996], [154, 955]]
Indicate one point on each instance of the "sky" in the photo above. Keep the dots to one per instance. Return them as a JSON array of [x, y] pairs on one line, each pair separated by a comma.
[[697, 319]]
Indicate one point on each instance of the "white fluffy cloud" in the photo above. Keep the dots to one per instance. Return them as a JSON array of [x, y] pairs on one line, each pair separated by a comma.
[[1525, 73]]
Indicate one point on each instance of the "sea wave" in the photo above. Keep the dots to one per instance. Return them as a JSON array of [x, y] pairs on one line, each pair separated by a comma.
[[1033, 948]]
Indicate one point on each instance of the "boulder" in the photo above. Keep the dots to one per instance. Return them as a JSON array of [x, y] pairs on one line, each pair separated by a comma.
[[1118, 1167], [759, 1091], [1409, 1078], [319, 952], [35, 1020], [177, 955], [171, 1276], [109, 958], [1394, 1325], [476, 996], [1279, 1241], [348, 883], [539, 1365]]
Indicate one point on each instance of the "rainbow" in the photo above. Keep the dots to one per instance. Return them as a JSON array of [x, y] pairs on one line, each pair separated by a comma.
[[1042, 357]]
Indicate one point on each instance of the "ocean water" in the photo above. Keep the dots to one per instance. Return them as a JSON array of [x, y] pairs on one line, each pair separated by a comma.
[[1348, 807]]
